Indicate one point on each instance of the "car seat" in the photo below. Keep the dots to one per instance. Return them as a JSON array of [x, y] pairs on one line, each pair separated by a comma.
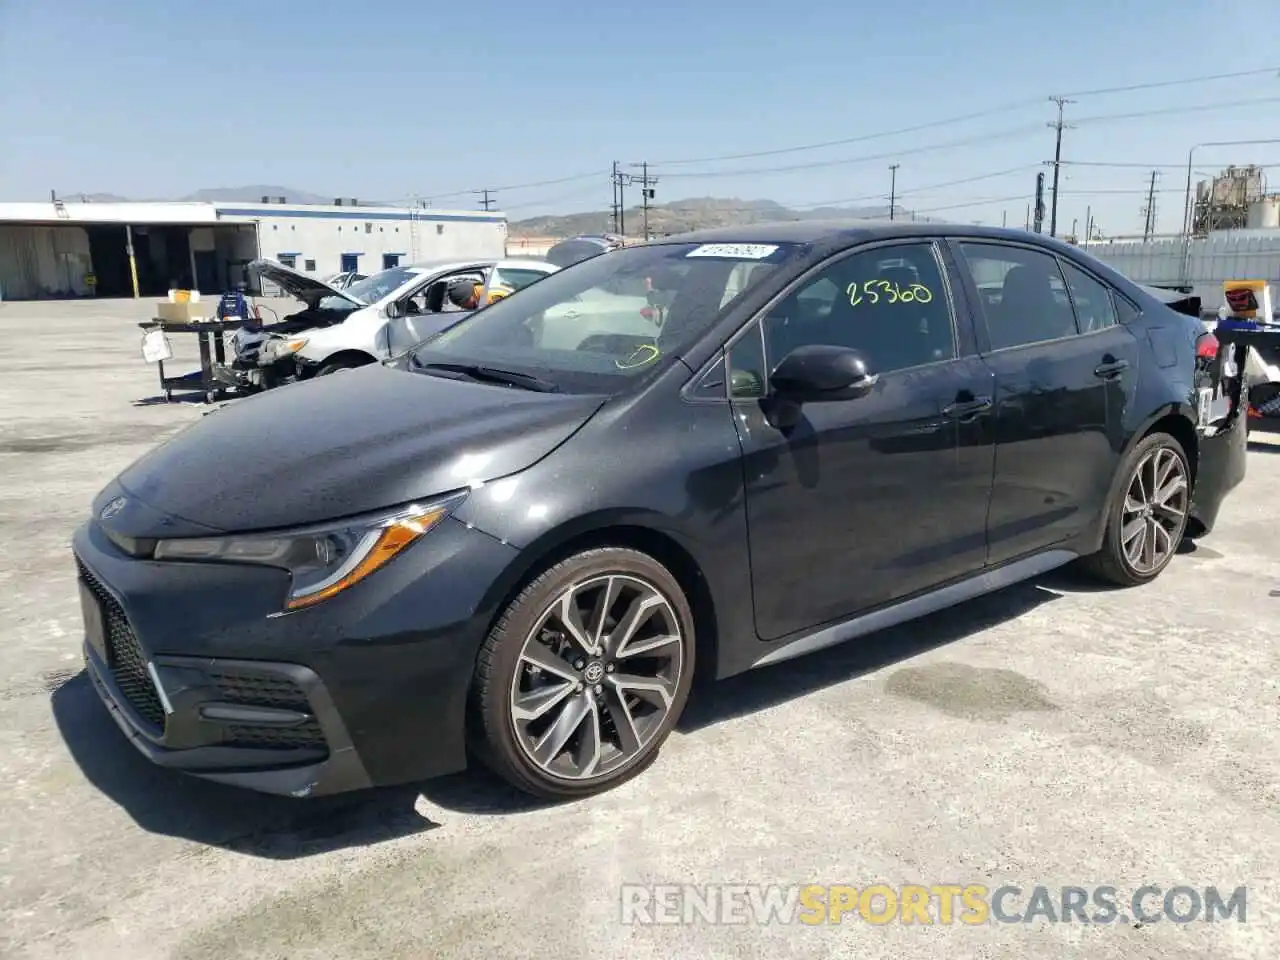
[[1027, 304]]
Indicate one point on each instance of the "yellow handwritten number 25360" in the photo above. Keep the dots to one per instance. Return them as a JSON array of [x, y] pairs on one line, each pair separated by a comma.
[[872, 290]]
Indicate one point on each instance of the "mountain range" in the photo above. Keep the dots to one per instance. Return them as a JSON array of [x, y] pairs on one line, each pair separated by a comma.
[[677, 216]]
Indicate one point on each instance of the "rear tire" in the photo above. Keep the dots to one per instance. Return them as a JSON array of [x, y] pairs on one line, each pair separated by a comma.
[[584, 675], [1148, 519]]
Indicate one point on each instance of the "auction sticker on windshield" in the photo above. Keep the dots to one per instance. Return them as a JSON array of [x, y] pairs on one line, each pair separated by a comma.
[[734, 251]]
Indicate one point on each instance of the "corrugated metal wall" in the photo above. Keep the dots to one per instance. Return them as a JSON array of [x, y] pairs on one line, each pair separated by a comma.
[[1233, 255], [43, 261]]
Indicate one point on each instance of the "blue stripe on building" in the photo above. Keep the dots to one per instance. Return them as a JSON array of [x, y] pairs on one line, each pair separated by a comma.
[[356, 214]]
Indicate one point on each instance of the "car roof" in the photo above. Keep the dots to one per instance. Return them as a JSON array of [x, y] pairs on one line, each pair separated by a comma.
[[438, 266], [852, 231]]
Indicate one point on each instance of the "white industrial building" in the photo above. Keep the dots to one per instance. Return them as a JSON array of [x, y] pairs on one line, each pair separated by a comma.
[[61, 249], [1200, 265]]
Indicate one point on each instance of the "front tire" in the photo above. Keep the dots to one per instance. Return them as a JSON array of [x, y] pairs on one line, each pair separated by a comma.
[[585, 674], [1148, 519], [337, 366]]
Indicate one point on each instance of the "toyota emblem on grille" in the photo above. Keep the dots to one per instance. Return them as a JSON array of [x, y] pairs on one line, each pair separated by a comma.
[[112, 508]]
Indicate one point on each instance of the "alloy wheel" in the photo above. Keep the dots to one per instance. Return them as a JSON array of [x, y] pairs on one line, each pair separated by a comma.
[[1155, 510], [597, 677]]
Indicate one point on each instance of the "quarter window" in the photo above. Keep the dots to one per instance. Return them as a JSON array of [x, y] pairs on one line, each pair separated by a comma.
[[747, 366], [1021, 293], [889, 303], [1090, 299]]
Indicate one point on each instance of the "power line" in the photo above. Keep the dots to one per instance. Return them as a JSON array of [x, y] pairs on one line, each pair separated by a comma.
[[1194, 108], [925, 189], [867, 158], [964, 118], [1275, 71]]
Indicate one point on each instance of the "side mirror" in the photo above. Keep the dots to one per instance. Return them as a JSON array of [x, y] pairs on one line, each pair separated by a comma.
[[394, 310], [818, 373]]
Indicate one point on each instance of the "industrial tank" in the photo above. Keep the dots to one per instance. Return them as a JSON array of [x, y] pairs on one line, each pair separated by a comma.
[[1264, 214]]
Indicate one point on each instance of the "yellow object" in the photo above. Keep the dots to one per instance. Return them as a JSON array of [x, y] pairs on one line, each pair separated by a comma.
[[1237, 292]]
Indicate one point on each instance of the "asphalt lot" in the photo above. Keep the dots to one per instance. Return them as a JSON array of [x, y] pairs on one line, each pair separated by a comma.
[[1051, 734]]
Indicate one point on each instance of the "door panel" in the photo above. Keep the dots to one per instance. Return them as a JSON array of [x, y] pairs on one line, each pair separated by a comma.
[[1060, 397], [868, 500]]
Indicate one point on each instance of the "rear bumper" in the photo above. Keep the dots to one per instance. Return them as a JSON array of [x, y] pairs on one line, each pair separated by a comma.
[[1223, 461]]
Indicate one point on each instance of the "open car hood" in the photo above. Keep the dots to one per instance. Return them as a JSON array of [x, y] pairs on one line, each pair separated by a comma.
[[306, 288]]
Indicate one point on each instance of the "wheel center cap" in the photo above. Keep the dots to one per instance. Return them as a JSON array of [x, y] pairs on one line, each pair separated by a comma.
[[594, 672]]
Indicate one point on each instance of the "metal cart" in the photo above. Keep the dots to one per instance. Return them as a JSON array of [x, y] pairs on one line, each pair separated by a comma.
[[209, 334]]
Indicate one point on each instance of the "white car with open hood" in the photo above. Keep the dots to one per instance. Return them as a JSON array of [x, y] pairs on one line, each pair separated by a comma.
[[383, 315]]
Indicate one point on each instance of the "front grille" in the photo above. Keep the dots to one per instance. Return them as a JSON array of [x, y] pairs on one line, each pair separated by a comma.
[[124, 657], [266, 690]]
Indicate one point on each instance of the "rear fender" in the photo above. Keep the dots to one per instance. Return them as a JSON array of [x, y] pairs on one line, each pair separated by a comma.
[[1184, 432]]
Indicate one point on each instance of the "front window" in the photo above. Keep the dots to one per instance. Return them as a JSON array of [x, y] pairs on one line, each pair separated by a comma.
[[599, 325], [371, 289]]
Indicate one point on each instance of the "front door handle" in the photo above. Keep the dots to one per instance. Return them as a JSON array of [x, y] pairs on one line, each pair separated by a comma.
[[1110, 368], [967, 408]]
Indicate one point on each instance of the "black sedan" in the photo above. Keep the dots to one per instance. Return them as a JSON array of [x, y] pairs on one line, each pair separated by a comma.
[[521, 540]]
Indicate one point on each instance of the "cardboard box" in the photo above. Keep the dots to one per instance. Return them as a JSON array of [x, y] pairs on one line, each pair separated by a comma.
[[179, 312]]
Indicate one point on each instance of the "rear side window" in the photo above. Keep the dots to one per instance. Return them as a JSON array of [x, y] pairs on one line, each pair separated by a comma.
[[1021, 292], [1091, 300]]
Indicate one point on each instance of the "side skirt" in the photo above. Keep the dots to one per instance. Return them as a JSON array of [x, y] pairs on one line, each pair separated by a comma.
[[920, 605]]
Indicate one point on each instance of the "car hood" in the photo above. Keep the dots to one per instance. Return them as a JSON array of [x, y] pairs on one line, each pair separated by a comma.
[[341, 445], [306, 288]]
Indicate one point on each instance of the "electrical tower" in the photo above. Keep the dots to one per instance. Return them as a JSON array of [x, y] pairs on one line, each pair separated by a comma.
[[1058, 125], [487, 201], [1149, 211], [646, 191]]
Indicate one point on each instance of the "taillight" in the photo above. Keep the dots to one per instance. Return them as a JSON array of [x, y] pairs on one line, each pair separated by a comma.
[[1207, 347]]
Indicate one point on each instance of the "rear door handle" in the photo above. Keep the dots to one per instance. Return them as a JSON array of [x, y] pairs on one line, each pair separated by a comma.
[[1109, 369], [967, 408]]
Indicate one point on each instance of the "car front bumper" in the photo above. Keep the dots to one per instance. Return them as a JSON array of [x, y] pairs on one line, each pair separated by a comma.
[[202, 674]]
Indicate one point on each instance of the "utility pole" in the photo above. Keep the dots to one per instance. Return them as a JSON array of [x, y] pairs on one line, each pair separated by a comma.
[[620, 181], [616, 210], [893, 187], [1039, 220], [647, 192], [1149, 225], [486, 203], [1057, 161], [1088, 224]]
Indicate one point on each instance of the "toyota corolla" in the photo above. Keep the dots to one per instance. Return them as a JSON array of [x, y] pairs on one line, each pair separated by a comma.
[[520, 542]]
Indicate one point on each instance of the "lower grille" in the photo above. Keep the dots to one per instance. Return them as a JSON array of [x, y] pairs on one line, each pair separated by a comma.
[[124, 657], [262, 690]]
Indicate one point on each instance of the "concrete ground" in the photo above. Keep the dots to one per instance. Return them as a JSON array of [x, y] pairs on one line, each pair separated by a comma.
[[1051, 734]]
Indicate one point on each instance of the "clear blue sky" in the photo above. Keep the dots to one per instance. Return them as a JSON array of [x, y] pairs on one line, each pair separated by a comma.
[[393, 98]]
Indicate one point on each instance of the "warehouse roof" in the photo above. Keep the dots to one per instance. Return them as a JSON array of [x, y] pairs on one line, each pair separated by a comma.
[[164, 212]]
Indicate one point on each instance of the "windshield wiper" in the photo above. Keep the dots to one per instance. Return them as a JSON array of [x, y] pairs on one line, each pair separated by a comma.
[[483, 374]]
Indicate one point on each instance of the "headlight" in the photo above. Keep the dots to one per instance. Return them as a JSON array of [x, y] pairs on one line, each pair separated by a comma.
[[322, 560], [275, 349]]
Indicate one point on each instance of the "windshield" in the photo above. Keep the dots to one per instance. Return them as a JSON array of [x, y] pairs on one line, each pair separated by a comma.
[[371, 289], [599, 325]]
